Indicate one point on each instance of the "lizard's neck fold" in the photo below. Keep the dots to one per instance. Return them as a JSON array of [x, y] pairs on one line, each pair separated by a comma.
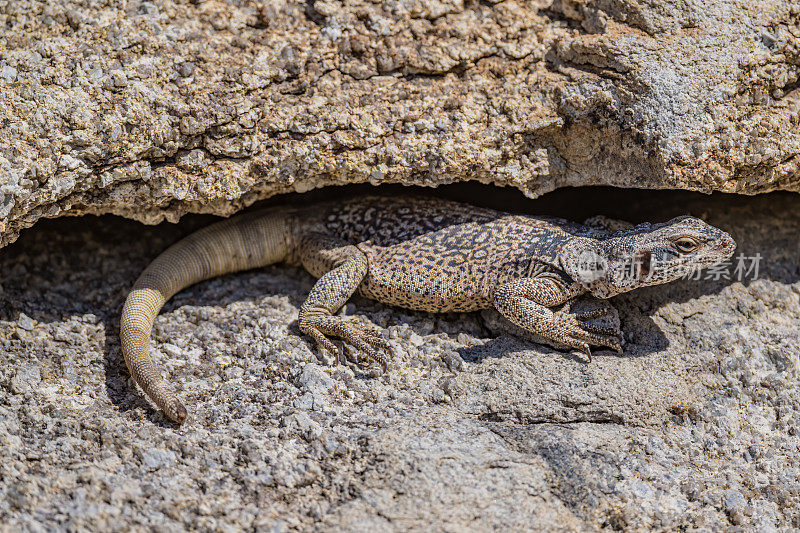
[[587, 262]]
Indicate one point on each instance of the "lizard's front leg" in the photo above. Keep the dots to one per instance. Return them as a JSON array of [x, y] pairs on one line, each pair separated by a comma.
[[527, 301], [329, 294]]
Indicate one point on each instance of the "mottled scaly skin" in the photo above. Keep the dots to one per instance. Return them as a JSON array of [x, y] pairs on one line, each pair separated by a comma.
[[425, 254]]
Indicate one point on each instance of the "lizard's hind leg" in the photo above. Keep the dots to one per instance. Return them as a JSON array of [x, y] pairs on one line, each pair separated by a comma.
[[346, 267]]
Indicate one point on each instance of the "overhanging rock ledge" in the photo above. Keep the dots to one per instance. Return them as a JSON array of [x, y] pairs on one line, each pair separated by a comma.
[[153, 110]]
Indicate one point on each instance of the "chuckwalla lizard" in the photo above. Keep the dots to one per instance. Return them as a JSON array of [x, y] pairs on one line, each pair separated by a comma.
[[426, 254]]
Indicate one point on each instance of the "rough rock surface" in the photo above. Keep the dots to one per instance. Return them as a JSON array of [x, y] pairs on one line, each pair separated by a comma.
[[152, 109], [696, 425]]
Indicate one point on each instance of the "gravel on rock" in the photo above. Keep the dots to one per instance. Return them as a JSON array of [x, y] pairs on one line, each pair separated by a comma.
[[695, 426]]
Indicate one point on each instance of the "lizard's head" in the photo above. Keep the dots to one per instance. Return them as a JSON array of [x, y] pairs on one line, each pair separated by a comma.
[[648, 254]]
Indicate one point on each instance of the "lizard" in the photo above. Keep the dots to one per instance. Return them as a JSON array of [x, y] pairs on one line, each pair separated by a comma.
[[426, 254]]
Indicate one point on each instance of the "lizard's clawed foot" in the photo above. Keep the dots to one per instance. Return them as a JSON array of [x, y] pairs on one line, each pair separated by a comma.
[[577, 333], [356, 333]]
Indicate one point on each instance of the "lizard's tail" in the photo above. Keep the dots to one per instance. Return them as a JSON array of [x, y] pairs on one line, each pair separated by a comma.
[[240, 243]]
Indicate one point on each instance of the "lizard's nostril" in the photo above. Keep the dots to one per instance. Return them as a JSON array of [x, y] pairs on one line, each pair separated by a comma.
[[729, 242]]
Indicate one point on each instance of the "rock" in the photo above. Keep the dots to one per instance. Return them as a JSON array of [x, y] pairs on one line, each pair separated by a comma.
[[8, 74], [300, 422], [318, 384], [155, 459], [26, 379], [295, 96], [25, 322], [186, 69], [695, 426]]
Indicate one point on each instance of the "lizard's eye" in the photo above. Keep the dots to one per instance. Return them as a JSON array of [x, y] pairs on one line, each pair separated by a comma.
[[686, 244]]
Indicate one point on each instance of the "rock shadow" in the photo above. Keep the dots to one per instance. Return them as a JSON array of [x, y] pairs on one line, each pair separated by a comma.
[[83, 266]]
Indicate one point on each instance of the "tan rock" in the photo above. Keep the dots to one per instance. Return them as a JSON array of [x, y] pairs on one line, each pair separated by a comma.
[[157, 109]]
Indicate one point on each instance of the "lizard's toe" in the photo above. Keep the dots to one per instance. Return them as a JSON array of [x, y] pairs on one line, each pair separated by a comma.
[[594, 313], [584, 347], [581, 346], [613, 343], [581, 334], [609, 341], [325, 344], [606, 331], [362, 337], [369, 343]]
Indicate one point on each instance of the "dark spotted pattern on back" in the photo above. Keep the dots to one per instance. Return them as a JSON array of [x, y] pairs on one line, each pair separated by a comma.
[[383, 221], [456, 268], [435, 255]]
